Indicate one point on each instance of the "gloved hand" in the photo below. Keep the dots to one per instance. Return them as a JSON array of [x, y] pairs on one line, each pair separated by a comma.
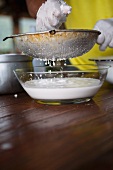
[[105, 39], [51, 15]]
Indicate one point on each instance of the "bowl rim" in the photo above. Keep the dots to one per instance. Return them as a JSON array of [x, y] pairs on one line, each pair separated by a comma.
[[33, 68], [104, 58]]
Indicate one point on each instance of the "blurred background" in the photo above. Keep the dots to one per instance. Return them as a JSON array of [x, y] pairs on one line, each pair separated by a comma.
[[14, 19]]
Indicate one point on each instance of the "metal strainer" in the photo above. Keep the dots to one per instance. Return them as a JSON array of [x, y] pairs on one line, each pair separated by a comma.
[[56, 44]]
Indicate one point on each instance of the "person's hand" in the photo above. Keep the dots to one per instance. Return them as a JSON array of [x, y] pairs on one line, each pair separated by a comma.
[[51, 15], [105, 39]]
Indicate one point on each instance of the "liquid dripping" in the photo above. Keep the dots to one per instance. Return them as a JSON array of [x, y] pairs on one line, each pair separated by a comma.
[[54, 62]]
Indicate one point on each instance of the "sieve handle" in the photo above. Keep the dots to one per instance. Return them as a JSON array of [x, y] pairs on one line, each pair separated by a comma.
[[13, 36], [52, 32]]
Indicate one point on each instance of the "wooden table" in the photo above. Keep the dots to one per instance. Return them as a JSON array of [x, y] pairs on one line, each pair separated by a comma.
[[64, 137]]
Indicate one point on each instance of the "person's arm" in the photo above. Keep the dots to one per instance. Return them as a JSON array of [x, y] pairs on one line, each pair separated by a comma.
[[33, 6]]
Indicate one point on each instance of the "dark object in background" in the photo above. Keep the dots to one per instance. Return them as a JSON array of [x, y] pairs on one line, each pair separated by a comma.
[[16, 8], [8, 63]]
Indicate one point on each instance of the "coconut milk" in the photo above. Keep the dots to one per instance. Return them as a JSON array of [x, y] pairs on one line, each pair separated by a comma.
[[62, 88]]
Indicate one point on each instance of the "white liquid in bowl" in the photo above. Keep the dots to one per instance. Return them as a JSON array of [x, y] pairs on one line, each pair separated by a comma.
[[62, 88]]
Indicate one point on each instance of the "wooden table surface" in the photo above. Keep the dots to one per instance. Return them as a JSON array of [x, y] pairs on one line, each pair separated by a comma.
[[64, 137]]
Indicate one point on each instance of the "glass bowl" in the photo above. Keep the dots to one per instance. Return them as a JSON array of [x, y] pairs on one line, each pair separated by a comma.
[[62, 84]]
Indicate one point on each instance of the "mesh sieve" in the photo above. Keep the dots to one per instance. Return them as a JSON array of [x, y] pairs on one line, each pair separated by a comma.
[[56, 44]]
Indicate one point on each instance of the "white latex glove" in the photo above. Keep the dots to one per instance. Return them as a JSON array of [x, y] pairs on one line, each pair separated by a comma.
[[51, 15], [105, 39]]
